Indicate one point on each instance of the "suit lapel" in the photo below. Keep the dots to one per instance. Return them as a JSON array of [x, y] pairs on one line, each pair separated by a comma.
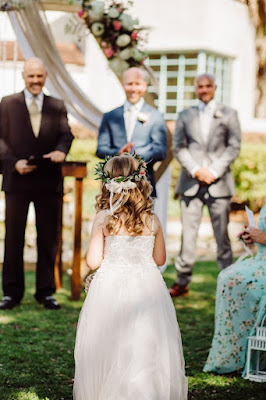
[[194, 120], [45, 113], [145, 109], [120, 120], [216, 119]]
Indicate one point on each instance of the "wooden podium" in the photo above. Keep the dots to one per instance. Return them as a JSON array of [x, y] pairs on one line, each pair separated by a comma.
[[79, 171]]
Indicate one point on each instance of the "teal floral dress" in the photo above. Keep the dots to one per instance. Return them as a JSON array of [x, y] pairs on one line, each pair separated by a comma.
[[241, 289]]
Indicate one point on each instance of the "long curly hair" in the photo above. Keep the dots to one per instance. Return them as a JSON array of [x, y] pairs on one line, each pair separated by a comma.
[[136, 202]]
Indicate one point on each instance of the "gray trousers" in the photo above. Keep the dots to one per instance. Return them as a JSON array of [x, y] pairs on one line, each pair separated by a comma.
[[191, 213]]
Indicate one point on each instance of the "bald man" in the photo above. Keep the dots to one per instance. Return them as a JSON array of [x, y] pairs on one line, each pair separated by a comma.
[[37, 138], [135, 126], [206, 142]]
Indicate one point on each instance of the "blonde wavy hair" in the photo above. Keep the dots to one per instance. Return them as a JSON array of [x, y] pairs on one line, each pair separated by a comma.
[[136, 203]]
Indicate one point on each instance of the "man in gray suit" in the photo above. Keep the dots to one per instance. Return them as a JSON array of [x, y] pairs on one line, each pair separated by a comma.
[[206, 142]]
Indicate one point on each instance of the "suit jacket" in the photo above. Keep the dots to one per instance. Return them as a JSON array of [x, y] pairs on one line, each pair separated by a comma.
[[218, 153], [149, 138], [20, 143]]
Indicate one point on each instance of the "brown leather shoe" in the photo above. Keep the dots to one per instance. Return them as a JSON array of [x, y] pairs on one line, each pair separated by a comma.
[[178, 290]]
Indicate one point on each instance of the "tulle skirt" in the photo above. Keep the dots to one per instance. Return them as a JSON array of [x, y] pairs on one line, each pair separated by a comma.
[[128, 344]]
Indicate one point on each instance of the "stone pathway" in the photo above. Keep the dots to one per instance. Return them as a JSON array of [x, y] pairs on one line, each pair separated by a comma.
[[205, 249]]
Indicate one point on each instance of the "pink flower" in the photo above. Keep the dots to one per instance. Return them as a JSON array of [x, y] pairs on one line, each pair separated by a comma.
[[80, 13], [134, 35], [142, 60], [119, 9], [142, 172], [117, 25], [108, 52], [103, 44]]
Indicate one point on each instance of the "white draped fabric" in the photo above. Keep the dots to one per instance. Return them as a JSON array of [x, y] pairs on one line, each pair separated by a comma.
[[35, 40], [161, 203]]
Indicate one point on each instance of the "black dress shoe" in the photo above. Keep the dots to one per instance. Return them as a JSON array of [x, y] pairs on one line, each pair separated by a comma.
[[49, 302], [178, 290], [8, 303]]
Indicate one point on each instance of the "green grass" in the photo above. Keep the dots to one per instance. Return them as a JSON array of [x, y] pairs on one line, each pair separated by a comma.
[[36, 345]]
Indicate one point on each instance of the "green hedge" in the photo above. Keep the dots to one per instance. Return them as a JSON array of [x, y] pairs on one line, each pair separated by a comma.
[[249, 170], [250, 175]]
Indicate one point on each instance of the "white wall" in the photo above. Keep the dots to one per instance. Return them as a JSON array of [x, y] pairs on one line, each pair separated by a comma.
[[221, 26]]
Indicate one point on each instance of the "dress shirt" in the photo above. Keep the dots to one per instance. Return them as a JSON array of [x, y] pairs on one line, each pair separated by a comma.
[[206, 112], [29, 97], [131, 112]]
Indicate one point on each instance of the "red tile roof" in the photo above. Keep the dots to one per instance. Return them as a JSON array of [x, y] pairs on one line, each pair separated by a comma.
[[69, 52]]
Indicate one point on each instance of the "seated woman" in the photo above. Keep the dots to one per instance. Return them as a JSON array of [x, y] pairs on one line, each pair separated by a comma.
[[240, 289]]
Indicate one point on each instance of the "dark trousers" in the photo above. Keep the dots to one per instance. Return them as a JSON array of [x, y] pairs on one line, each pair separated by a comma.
[[47, 213], [191, 213]]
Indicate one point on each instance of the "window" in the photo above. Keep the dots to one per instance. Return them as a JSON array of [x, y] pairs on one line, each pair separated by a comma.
[[176, 73]]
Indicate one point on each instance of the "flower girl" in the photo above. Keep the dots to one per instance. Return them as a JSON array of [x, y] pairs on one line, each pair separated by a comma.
[[128, 344]]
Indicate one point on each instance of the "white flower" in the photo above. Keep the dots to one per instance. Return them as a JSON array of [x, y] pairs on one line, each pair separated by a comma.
[[137, 54], [118, 66], [142, 117], [97, 28], [96, 9], [113, 13], [218, 114], [125, 54], [119, 187], [127, 22], [123, 40]]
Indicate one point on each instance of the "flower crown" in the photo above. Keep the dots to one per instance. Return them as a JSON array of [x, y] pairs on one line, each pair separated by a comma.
[[136, 176]]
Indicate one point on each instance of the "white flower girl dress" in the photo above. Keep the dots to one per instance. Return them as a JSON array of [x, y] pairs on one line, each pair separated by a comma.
[[128, 344]]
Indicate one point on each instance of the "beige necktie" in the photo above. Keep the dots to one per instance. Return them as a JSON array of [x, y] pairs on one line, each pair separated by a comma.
[[35, 117]]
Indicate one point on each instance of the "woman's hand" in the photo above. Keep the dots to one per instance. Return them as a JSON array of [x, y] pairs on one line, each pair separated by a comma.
[[253, 235]]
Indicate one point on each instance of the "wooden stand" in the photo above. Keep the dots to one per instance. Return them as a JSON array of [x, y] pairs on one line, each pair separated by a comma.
[[79, 171]]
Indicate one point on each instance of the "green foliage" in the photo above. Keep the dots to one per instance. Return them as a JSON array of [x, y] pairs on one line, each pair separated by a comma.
[[250, 175], [37, 345]]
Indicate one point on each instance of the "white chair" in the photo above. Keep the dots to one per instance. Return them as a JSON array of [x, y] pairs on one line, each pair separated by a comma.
[[255, 368]]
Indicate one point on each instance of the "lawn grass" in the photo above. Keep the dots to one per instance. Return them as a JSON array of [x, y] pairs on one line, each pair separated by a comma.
[[36, 345]]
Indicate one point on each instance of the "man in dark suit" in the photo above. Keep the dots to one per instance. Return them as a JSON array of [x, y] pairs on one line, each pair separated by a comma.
[[206, 142], [37, 137], [135, 126]]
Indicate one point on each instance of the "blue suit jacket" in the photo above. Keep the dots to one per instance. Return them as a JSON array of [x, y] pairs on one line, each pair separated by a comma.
[[149, 138]]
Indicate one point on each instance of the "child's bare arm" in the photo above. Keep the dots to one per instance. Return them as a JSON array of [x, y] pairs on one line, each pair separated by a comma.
[[159, 252], [95, 251]]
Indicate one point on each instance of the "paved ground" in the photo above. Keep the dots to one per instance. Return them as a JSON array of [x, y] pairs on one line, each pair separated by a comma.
[[206, 246]]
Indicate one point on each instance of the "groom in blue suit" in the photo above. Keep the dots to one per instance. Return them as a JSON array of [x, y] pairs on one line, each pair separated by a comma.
[[134, 126]]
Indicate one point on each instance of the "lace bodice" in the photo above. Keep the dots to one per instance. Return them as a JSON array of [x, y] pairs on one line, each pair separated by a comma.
[[129, 250]]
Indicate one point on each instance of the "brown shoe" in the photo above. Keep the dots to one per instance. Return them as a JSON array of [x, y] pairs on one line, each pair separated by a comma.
[[178, 290]]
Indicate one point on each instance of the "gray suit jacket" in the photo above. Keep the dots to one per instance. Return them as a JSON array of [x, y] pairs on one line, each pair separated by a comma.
[[218, 153]]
